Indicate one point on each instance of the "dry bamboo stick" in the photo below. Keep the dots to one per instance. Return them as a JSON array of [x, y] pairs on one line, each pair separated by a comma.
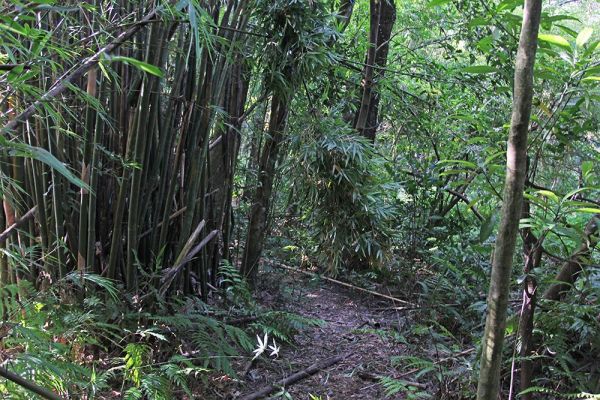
[[28, 215], [371, 292], [298, 376]]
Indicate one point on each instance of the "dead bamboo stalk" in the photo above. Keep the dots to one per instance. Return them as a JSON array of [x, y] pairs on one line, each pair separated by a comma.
[[371, 292], [298, 376], [28, 215], [169, 274]]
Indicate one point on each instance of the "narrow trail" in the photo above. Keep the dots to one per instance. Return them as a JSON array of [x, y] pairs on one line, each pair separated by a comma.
[[355, 324]]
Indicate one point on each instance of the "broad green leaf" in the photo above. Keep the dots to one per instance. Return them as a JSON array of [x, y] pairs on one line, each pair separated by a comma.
[[584, 36], [487, 226], [479, 69], [509, 5], [548, 194], [590, 210], [554, 39], [560, 17], [434, 3], [142, 65], [460, 162], [478, 21], [591, 78], [567, 30], [586, 168], [575, 191]]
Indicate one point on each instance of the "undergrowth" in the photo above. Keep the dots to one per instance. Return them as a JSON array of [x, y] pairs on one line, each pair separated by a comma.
[[80, 339]]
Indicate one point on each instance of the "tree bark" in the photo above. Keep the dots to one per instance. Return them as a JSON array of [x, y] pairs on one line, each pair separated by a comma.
[[516, 161], [532, 253], [386, 24], [368, 73], [262, 195]]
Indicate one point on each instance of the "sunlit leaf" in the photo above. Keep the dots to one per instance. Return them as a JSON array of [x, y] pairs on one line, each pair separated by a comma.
[[479, 69], [591, 210], [434, 3], [591, 78], [144, 66], [584, 36], [548, 194], [554, 39]]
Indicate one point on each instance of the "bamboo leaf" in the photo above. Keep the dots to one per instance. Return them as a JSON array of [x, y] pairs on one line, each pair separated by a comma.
[[591, 79], [591, 210], [487, 227], [548, 194], [42, 155], [144, 66]]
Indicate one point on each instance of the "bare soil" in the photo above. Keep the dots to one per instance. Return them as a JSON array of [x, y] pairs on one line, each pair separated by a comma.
[[356, 324]]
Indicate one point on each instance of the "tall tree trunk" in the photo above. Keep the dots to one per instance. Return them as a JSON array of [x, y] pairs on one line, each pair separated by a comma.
[[386, 24], [262, 196], [532, 253], [516, 161], [367, 81]]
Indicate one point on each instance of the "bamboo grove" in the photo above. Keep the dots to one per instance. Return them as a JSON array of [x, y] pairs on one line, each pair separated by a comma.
[[153, 128]]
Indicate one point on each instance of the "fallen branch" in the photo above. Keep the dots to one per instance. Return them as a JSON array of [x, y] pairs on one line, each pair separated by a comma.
[[298, 376], [28, 215], [32, 387], [371, 292], [415, 308]]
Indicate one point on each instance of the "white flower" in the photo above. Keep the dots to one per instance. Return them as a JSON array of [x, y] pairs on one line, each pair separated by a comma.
[[275, 349], [262, 346]]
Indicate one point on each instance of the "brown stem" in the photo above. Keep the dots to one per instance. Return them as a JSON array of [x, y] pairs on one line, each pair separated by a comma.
[[298, 376]]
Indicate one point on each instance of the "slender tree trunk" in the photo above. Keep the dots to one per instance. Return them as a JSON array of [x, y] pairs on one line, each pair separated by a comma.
[[262, 196], [532, 253], [516, 161], [345, 14], [223, 159]]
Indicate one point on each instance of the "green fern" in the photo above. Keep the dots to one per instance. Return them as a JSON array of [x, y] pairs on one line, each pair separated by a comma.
[[284, 325], [394, 386]]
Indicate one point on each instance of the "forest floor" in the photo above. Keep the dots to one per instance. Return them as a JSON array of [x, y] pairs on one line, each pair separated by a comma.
[[365, 328]]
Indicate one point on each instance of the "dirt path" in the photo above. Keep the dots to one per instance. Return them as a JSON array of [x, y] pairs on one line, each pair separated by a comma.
[[355, 324]]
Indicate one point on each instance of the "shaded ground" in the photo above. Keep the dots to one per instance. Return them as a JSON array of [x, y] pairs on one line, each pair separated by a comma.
[[357, 324]]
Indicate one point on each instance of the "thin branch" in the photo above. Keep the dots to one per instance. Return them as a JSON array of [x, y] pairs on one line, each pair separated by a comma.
[[32, 387]]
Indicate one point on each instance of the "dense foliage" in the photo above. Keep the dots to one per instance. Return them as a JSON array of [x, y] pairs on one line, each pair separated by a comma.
[[153, 151]]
